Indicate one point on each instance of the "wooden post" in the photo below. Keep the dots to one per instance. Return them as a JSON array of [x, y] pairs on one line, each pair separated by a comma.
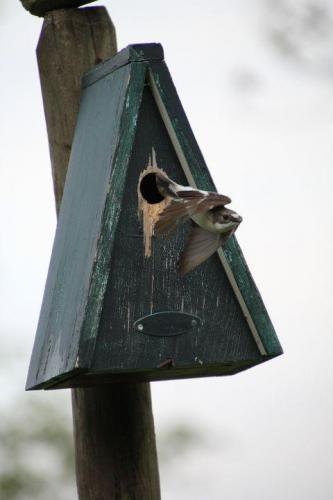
[[71, 42], [115, 443], [113, 425]]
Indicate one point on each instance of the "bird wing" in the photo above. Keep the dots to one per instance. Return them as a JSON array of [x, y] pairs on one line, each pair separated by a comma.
[[200, 245], [173, 215], [189, 203]]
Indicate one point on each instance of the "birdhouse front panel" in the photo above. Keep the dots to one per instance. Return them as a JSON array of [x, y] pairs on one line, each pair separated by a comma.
[[117, 305], [140, 286]]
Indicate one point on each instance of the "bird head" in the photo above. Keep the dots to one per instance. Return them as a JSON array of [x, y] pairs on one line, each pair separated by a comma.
[[226, 219]]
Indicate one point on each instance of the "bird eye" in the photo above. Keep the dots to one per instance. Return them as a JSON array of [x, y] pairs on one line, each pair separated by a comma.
[[226, 217]]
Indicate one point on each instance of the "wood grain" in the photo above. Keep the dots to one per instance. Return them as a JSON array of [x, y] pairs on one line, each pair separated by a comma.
[[113, 426], [116, 459]]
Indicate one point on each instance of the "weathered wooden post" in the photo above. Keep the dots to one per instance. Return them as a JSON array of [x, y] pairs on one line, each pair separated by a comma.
[[113, 425]]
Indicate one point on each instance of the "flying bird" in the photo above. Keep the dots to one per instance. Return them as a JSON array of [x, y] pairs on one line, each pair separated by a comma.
[[212, 222]]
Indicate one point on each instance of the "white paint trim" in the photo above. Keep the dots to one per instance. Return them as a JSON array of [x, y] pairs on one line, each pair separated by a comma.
[[182, 159], [241, 301]]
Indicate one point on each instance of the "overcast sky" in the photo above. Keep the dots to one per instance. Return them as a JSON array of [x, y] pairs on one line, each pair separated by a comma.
[[263, 118]]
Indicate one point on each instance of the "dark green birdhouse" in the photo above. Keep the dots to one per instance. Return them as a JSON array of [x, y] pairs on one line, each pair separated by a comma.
[[115, 308]]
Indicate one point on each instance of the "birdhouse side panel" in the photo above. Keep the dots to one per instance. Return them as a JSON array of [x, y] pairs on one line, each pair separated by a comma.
[[113, 201], [78, 230]]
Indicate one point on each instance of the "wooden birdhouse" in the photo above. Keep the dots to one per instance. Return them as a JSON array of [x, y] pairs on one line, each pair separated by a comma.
[[115, 307]]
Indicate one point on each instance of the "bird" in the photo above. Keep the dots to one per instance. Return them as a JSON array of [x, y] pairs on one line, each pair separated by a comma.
[[212, 222]]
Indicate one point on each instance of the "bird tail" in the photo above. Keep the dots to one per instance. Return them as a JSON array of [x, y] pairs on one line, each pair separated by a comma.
[[166, 186]]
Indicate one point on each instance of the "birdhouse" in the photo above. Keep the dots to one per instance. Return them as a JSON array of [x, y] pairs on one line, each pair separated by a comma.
[[115, 307]]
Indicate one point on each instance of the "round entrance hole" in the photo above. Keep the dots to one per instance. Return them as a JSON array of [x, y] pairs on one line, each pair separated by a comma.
[[149, 189]]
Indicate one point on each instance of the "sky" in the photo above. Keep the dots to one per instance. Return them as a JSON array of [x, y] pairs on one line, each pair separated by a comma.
[[256, 83]]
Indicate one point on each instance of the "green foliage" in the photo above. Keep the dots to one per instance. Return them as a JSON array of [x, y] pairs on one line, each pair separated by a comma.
[[179, 439], [36, 454]]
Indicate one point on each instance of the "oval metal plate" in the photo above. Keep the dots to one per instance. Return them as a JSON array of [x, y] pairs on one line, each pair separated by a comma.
[[167, 323]]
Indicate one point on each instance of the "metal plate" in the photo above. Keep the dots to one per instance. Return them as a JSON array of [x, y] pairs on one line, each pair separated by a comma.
[[167, 323]]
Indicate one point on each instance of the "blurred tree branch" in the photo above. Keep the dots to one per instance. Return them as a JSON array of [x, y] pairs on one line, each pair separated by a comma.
[[303, 32]]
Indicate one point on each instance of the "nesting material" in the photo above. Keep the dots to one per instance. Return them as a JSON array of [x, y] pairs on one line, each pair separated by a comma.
[[149, 212]]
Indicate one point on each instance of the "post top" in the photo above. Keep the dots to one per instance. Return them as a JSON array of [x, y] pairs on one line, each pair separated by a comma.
[[139, 52], [41, 7]]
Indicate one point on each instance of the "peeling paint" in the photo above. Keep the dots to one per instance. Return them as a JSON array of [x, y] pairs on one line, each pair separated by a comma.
[[149, 212]]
